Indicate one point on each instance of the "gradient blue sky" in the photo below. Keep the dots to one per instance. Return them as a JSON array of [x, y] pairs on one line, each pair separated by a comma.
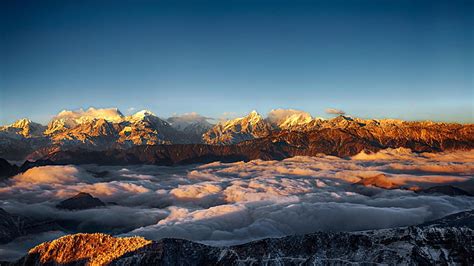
[[400, 59]]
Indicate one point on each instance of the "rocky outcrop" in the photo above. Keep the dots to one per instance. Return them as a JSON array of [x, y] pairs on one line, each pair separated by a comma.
[[427, 244], [81, 201]]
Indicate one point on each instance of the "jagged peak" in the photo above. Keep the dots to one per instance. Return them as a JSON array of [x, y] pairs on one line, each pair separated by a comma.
[[145, 116], [20, 123], [253, 116], [253, 113], [24, 127], [344, 117]]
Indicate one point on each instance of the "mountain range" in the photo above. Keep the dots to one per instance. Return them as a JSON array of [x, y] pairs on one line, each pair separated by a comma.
[[283, 133]]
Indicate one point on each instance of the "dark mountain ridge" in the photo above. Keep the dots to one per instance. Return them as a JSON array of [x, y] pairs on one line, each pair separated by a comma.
[[437, 242]]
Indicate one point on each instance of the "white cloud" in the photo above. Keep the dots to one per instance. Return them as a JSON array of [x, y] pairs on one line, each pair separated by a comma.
[[334, 111], [49, 175], [277, 116]]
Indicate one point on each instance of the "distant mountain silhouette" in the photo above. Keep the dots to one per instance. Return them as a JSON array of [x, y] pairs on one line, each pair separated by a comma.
[[81, 201]]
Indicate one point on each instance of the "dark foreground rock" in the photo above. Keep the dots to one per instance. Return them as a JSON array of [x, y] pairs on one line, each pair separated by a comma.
[[413, 245], [13, 226], [7, 169], [428, 244]]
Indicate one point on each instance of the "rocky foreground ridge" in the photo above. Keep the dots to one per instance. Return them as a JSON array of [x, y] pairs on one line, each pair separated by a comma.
[[193, 139], [13, 226], [448, 241]]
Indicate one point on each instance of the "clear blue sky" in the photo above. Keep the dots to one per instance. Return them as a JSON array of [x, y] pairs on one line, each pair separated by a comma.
[[400, 59]]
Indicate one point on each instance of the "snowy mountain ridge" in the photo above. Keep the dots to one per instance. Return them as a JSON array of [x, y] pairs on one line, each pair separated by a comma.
[[100, 129], [240, 129]]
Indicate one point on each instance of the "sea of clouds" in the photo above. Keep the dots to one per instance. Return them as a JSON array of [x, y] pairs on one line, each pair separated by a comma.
[[230, 203]]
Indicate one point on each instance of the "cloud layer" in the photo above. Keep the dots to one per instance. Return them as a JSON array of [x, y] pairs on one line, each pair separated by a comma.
[[224, 203]]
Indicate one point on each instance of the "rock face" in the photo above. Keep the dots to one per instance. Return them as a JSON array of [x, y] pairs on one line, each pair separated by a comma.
[[80, 201], [426, 245]]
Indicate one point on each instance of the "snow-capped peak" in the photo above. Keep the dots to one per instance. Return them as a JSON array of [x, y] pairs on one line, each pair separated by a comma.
[[147, 117], [21, 123], [143, 114], [239, 129], [253, 113], [67, 119], [24, 127], [296, 120], [253, 117]]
